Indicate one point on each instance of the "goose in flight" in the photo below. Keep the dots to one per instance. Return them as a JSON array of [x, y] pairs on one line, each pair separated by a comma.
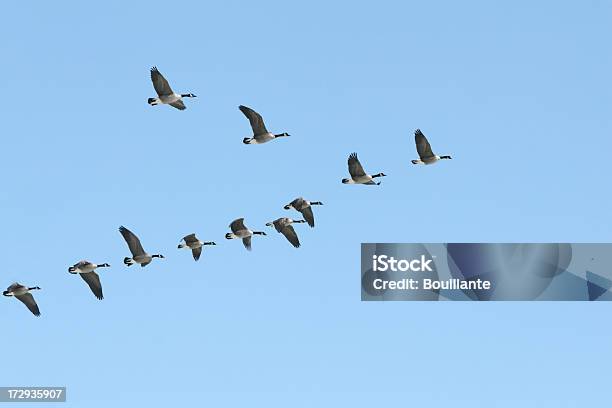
[[260, 133], [22, 293], [240, 231], [165, 94], [283, 225], [193, 243], [426, 156], [139, 255], [304, 207], [87, 271], [358, 174]]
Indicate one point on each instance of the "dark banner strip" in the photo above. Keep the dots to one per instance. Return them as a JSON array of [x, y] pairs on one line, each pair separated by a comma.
[[474, 271]]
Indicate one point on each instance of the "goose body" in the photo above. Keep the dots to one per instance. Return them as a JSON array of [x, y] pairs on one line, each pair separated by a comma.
[[165, 94], [426, 155], [240, 231], [22, 293], [283, 226], [260, 133], [192, 242], [139, 255], [358, 174], [305, 208], [86, 270]]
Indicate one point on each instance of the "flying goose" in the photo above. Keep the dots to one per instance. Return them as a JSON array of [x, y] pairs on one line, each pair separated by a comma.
[[165, 94], [283, 225], [260, 133], [139, 255], [358, 175], [193, 243], [22, 293], [240, 231], [304, 207], [87, 271], [426, 156]]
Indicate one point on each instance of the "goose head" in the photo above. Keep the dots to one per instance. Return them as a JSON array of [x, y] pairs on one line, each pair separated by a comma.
[[345, 181], [445, 157], [229, 235], [247, 140], [287, 207], [189, 95], [7, 293], [158, 256], [72, 269]]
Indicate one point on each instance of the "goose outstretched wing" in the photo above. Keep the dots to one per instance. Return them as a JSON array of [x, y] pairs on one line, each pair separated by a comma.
[[291, 236], [162, 87], [257, 123], [178, 105], [246, 241], [308, 215], [355, 168], [422, 145], [196, 252], [190, 239], [132, 241], [28, 300], [93, 281], [237, 225]]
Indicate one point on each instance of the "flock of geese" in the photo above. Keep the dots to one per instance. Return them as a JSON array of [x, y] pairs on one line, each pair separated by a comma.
[[283, 225]]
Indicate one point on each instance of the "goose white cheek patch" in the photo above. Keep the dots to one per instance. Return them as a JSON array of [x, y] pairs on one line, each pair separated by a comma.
[[486, 271]]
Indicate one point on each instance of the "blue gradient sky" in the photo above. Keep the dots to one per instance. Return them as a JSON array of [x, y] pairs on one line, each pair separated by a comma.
[[517, 92]]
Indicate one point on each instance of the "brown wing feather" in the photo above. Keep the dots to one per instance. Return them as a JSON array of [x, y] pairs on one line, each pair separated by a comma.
[[355, 168], [28, 300], [237, 225], [422, 145], [93, 281], [132, 240], [291, 236], [162, 87], [255, 119]]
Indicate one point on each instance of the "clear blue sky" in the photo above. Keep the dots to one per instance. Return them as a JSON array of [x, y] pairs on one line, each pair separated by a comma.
[[517, 92]]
